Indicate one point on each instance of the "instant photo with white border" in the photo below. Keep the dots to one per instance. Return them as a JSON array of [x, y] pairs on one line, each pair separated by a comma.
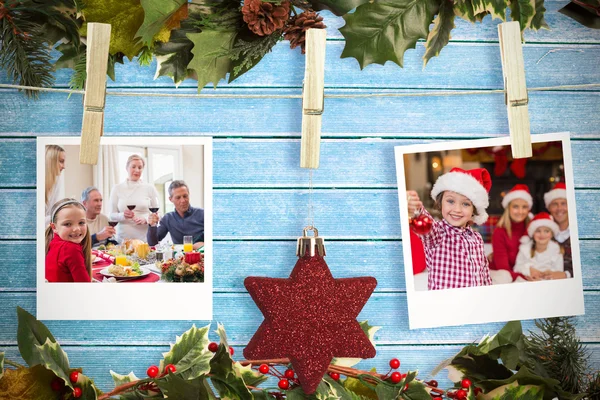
[[495, 303], [127, 301]]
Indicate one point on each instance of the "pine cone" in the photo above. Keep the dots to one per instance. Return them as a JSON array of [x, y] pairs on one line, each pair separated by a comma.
[[297, 26], [264, 18]]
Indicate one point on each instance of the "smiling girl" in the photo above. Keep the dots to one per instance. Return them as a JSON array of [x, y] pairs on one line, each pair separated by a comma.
[[454, 252], [68, 244], [539, 255]]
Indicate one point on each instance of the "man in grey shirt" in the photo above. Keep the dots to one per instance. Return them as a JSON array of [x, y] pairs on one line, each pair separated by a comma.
[[184, 221]]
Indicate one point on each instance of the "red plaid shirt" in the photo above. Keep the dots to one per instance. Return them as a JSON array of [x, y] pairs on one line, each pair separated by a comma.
[[455, 257]]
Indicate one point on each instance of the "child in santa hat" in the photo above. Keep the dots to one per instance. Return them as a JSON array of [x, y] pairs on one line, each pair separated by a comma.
[[454, 252], [506, 237], [539, 254]]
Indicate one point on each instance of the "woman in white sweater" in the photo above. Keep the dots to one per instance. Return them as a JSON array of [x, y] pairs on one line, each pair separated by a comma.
[[55, 164], [130, 202]]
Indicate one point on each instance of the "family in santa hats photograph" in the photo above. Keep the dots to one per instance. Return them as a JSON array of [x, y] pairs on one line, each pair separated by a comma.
[[447, 244]]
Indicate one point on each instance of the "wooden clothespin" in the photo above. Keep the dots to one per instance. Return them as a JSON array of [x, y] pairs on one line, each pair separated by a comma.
[[516, 98], [98, 40], [313, 97]]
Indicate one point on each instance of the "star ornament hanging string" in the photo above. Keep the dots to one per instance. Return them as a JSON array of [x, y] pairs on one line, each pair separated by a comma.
[[310, 317]]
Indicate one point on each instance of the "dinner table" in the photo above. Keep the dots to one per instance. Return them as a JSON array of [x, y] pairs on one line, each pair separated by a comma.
[[103, 260]]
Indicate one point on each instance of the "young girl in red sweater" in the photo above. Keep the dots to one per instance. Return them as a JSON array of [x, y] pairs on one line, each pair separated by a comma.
[[511, 227], [68, 244]]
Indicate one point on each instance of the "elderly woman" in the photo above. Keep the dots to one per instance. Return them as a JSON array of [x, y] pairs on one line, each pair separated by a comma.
[[55, 164], [511, 227], [130, 202]]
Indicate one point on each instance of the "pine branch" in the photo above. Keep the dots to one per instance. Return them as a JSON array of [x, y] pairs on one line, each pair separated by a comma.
[[77, 81], [250, 52]]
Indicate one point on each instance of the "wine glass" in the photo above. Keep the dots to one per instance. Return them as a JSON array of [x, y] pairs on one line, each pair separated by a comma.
[[113, 224], [153, 209], [131, 206]]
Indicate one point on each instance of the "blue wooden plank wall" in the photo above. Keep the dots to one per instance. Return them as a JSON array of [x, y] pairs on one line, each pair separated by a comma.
[[260, 193]]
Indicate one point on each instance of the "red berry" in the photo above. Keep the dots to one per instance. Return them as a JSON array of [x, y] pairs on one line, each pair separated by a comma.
[[406, 387], [461, 394], [77, 392], [396, 377], [477, 390], [231, 351], [57, 384], [74, 376], [283, 384], [433, 383], [394, 363], [465, 383], [403, 376], [152, 371], [334, 375], [289, 373], [213, 347], [264, 368], [170, 368], [451, 395]]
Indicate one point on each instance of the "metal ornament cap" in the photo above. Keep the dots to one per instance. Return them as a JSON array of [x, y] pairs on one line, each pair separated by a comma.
[[311, 243]]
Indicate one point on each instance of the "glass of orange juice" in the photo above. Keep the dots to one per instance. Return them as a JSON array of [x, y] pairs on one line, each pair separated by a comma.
[[121, 259], [188, 245]]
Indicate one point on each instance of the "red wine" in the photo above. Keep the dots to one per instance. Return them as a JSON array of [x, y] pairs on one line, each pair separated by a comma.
[[131, 207], [113, 223], [153, 209]]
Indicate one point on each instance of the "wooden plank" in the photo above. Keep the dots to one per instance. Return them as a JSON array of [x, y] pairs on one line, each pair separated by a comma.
[[388, 310], [339, 214], [383, 260], [455, 116], [345, 163]]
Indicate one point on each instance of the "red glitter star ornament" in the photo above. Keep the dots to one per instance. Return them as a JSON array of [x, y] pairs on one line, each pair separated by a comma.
[[310, 317]]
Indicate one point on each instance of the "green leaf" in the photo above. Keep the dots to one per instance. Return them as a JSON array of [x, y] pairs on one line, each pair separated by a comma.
[[30, 334], [386, 391], [176, 387], [465, 10], [538, 21], [27, 384], [222, 335], [439, 36], [514, 391], [55, 359], [209, 62], [338, 7], [496, 8], [354, 385], [370, 332], [189, 354], [336, 389], [88, 390], [522, 11], [416, 391], [156, 14], [121, 380], [1, 364], [382, 31], [251, 377], [225, 378]]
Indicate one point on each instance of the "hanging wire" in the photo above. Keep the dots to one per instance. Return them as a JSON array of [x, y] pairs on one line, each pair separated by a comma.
[[311, 214]]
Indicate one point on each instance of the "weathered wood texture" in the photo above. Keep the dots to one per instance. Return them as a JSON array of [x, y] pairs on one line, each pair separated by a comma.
[[260, 191]]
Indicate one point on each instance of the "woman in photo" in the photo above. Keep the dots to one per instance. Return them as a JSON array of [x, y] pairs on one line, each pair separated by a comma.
[[55, 164], [130, 202]]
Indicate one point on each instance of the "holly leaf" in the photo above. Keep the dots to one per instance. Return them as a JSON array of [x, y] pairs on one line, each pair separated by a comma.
[[355, 386], [382, 31], [496, 8], [251, 377], [156, 15], [387, 392], [210, 61], [176, 387], [338, 7], [225, 378], [27, 384], [55, 359], [123, 379], [222, 335], [263, 395], [514, 391], [416, 391], [439, 36], [189, 354], [174, 56], [370, 332], [30, 334], [538, 21], [125, 18], [522, 11], [88, 390]]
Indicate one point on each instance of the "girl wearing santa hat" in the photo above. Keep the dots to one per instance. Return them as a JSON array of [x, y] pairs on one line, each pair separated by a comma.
[[454, 252], [506, 237], [539, 255]]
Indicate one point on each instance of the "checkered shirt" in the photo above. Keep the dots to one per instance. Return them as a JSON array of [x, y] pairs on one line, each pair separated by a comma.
[[455, 257]]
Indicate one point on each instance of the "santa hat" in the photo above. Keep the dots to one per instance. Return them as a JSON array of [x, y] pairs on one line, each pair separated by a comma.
[[519, 191], [559, 191], [542, 219], [474, 184]]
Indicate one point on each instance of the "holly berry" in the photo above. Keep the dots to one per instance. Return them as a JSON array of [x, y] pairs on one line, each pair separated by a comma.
[[231, 351], [334, 375], [477, 390], [403, 376], [394, 363], [213, 347], [170, 368], [283, 384], [289, 373], [433, 383], [57, 384], [74, 376], [451, 395], [152, 371], [465, 383], [77, 392], [461, 394], [396, 377], [406, 387], [264, 368]]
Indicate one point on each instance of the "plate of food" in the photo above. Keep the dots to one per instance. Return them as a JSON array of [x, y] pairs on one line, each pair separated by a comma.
[[121, 272]]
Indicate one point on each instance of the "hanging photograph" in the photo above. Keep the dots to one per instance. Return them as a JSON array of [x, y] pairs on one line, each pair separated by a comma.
[[131, 229], [492, 236]]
